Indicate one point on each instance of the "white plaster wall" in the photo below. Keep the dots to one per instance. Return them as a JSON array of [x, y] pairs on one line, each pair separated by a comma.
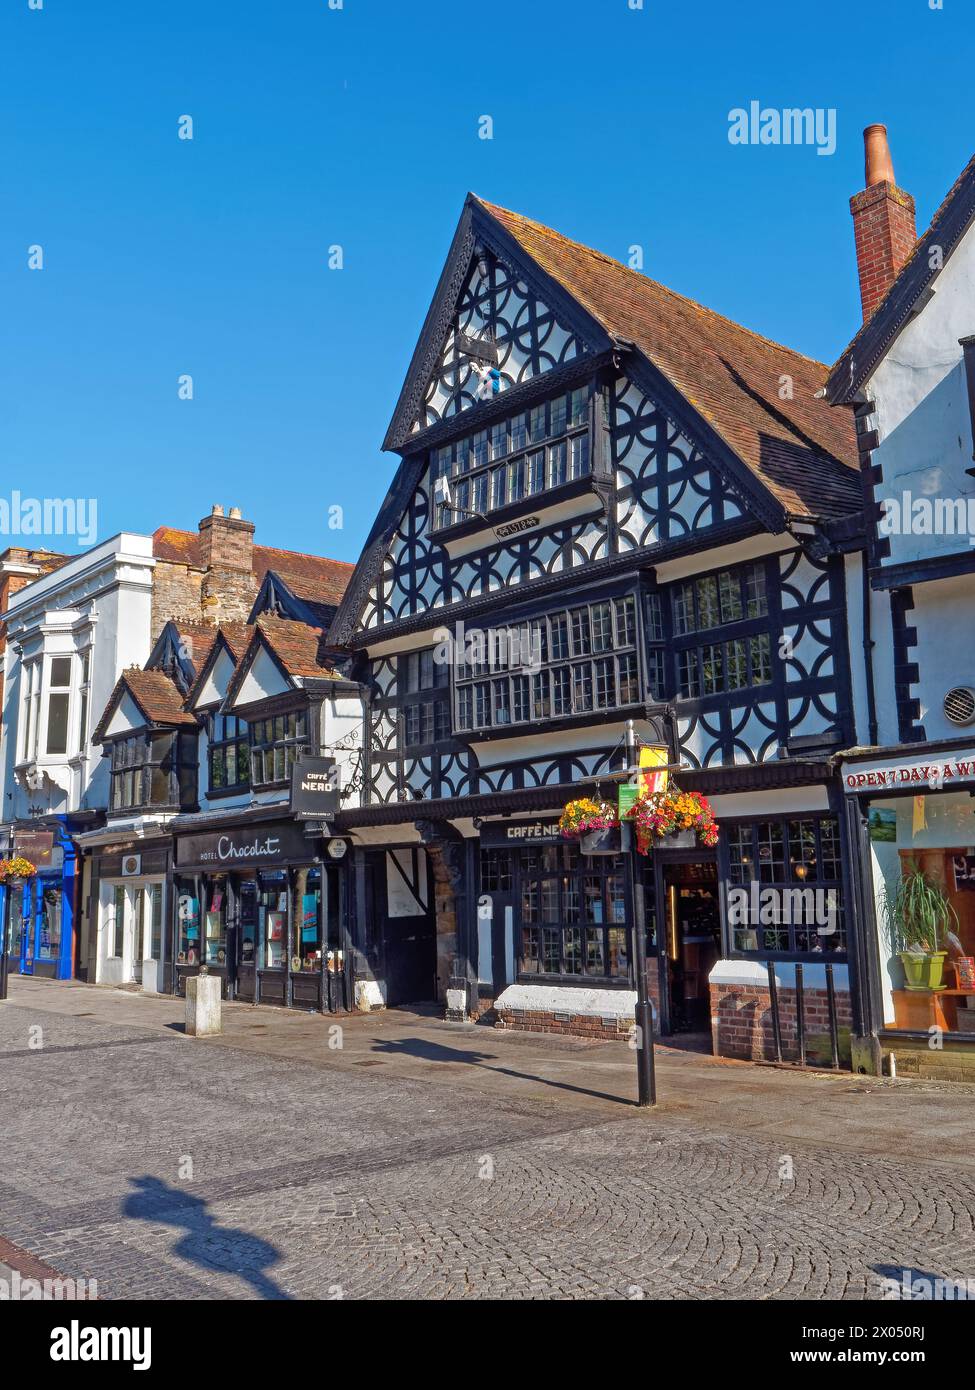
[[922, 404], [944, 617]]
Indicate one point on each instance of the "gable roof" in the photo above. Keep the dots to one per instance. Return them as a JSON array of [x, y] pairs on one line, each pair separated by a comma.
[[803, 453], [156, 696], [908, 294], [327, 577], [791, 458], [299, 651], [307, 600], [231, 637]]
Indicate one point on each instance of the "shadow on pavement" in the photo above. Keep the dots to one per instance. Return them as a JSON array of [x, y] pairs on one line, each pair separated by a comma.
[[426, 1051], [206, 1244]]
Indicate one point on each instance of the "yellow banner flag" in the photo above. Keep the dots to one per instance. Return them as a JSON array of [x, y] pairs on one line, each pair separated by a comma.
[[653, 770]]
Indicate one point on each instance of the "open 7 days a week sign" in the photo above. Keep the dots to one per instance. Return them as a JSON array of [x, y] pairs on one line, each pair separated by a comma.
[[935, 773]]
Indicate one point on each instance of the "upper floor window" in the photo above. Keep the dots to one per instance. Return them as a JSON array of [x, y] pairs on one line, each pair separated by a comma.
[[31, 711], [423, 698], [227, 757], [276, 744], [516, 458], [157, 769], [712, 665], [570, 662], [58, 702]]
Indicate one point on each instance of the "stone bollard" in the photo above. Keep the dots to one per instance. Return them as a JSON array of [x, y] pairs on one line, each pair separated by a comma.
[[203, 1005]]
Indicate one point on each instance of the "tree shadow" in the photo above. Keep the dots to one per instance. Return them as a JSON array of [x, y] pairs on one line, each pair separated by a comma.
[[206, 1244], [426, 1051]]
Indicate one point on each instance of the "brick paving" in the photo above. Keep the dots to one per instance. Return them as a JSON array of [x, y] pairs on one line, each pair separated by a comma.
[[165, 1167]]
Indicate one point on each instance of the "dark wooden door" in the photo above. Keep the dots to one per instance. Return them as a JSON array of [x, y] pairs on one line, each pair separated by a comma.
[[405, 889]]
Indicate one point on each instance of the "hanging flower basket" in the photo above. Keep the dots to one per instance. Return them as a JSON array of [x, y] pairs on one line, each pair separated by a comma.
[[586, 815], [15, 870], [608, 840], [663, 815]]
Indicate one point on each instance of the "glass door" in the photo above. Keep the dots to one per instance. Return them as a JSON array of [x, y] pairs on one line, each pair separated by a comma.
[[138, 935], [273, 935]]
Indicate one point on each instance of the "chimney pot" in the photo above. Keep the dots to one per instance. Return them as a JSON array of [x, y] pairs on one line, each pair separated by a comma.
[[216, 509], [878, 165], [883, 222], [235, 513]]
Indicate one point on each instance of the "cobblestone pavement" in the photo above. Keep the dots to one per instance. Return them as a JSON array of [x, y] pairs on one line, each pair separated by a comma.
[[169, 1169]]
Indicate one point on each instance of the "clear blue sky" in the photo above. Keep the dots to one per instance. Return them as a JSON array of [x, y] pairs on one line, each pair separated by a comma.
[[358, 126]]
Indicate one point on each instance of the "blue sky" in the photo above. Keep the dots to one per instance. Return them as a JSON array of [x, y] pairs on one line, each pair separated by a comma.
[[359, 126]]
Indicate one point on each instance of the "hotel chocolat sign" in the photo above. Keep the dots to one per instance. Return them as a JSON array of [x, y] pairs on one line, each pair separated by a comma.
[[253, 846], [315, 789]]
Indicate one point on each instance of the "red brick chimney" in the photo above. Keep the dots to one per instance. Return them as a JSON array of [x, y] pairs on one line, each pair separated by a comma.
[[227, 543], [883, 222]]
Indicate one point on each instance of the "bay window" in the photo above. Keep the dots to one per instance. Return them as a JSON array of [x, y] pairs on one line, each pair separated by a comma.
[[275, 745]]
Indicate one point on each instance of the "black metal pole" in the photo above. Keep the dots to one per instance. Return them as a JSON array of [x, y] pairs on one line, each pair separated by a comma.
[[773, 999], [645, 1070], [834, 1041], [4, 915]]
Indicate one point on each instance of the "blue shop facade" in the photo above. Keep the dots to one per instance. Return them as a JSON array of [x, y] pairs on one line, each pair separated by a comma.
[[39, 913]]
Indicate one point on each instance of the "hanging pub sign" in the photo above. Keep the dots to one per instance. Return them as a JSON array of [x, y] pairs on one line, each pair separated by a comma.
[[494, 834], [37, 846], [315, 789], [257, 846]]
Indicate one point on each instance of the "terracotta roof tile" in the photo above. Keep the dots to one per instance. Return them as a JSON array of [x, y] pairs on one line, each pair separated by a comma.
[[298, 647], [156, 696], [804, 452]]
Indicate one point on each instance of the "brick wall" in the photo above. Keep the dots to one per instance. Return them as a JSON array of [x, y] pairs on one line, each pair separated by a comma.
[[606, 1028], [884, 229], [741, 1023]]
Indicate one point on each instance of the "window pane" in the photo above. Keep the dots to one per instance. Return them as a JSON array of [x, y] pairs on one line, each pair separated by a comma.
[[579, 456], [629, 688], [579, 406], [581, 643], [712, 668], [602, 627], [605, 685], [535, 472], [540, 696], [756, 599], [557, 416], [582, 688], [737, 665], [683, 609], [61, 671], [730, 591], [502, 706], [708, 613], [57, 724], [558, 464], [761, 659], [561, 699], [560, 637]]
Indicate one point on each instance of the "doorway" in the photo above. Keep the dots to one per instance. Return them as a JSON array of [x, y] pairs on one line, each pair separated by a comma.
[[691, 945]]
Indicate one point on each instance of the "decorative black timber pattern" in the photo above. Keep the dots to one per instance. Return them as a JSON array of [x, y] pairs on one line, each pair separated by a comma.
[[496, 303], [395, 774], [809, 696], [906, 674], [665, 487]]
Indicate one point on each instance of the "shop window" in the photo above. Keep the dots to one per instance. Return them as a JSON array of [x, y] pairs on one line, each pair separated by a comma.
[[187, 927], [118, 921], [49, 939], [573, 914], [306, 914], [227, 753], [215, 921], [496, 871], [272, 919], [926, 843], [785, 892], [155, 891], [276, 744]]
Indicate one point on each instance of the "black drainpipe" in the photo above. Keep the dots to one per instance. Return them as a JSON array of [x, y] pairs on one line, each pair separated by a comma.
[[868, 646]]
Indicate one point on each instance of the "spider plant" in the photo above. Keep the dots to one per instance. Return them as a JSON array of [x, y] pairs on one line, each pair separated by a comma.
[[917, 914]]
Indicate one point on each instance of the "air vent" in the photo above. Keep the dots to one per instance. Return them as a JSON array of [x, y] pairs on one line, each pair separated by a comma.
[[959, 705]]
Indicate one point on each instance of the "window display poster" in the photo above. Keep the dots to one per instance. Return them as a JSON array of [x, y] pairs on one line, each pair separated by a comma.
[[275, 926], [309, 917]]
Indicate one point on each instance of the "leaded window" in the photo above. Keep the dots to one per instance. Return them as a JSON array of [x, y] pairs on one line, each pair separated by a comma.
[[276, 744], [571, 662], [785, 886], [709, 664], [517, 458], [227, 755]]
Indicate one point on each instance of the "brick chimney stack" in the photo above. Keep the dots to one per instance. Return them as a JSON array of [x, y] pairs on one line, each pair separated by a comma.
[[227, 544], [883, 222]]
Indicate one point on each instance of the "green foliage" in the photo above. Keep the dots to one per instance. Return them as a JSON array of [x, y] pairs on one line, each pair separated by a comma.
[[917, 913]]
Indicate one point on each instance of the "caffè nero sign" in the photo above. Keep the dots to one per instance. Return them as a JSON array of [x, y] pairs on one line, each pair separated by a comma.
[[264, 845], [520, 832]]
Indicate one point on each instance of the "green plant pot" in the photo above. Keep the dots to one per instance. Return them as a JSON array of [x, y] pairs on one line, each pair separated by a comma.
[[923, 972]]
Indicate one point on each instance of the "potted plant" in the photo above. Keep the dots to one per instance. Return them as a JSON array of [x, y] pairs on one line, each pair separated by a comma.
[[665, 815], [595, 824], [917, 914]]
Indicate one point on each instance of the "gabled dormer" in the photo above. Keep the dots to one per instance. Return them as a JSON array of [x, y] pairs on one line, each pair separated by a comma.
[[151, 740]]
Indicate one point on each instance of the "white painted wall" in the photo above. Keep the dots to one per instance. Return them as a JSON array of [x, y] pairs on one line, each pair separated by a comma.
[[100, 601], [922, 415]]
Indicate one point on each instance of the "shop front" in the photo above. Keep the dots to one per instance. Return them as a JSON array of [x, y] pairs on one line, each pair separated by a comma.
[[260, 903], [129, 889], [914, 817], [39, 911]]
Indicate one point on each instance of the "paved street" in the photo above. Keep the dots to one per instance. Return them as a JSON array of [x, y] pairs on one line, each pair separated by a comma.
[[422, 1160]]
